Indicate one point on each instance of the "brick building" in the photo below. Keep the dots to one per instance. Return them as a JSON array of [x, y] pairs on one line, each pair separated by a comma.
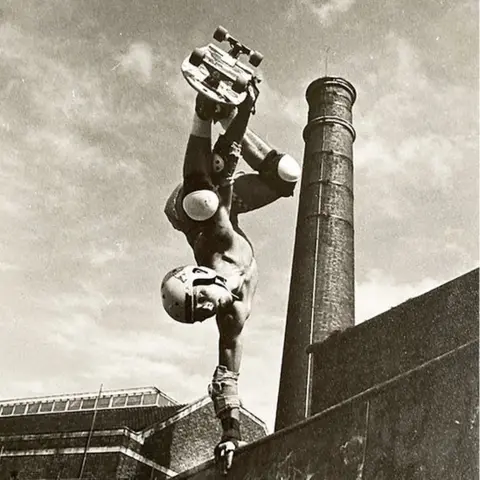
[[125, 434]]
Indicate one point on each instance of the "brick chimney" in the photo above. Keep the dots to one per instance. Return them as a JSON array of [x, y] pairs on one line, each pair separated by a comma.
[[322, 297]]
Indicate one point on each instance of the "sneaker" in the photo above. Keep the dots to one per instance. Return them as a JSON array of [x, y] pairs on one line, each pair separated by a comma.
[[208, 109], [204, 107], [223, 111]]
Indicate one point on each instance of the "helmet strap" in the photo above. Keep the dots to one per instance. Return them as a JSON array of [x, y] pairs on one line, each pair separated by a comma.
[[190, 300]]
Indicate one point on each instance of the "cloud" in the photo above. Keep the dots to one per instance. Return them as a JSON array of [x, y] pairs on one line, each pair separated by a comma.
[[137, 61], [326, 11], [6, 266], [260, 373], [380, 291], [408, 135], [93, 128]]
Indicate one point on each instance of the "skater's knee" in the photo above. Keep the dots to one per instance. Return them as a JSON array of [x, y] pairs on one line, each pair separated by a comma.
[[281, 172], [200, 205], [288, 169], [200, 201]]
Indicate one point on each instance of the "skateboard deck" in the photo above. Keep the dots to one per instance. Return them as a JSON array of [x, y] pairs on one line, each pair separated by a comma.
[[218, 74]]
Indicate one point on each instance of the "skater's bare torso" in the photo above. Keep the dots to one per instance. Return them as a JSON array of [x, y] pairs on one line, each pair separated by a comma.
[[225, 248]]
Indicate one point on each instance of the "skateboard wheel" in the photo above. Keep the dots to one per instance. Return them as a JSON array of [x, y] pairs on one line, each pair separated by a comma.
[[239, 85], [196, 57], [255, 58], [220, 34]]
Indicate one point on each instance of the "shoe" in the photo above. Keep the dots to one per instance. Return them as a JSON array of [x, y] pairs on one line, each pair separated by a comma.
[[204, 107], [223, 111], [207, 109]]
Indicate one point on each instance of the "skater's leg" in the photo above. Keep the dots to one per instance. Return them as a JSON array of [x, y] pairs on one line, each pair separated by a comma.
[[277, 170], [250, 192], [199, 201], [197, 160], [178, 218]]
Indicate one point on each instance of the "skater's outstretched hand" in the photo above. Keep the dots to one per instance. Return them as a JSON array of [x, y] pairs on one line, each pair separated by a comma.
[[252, 94], [224, 454]]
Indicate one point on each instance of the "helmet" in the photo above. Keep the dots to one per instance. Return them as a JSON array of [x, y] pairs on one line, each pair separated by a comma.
[[177, 290]]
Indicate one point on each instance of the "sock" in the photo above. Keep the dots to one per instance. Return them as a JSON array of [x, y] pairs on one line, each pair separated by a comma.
[[201, 128]]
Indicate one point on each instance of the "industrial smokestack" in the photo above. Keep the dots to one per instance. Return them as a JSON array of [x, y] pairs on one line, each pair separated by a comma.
[[322, 297]]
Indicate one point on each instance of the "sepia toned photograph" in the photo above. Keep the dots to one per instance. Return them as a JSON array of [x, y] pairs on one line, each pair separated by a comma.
[[239, 240]]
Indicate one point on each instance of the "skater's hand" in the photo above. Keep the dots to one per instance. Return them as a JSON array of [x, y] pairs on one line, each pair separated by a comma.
[[224, 454], [252, 93]]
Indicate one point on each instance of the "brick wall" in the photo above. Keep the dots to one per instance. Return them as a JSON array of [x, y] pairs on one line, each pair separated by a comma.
[[34, 467], [191, 440], [44, 446], [35, 442]]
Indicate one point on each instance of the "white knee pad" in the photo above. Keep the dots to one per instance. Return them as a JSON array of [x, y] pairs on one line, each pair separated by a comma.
[[288, 169], [200, 205]]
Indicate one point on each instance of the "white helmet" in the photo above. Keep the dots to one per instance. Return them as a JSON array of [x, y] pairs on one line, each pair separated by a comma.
[[177, 290]]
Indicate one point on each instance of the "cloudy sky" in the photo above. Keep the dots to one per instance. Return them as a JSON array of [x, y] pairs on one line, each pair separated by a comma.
[[93, 123]]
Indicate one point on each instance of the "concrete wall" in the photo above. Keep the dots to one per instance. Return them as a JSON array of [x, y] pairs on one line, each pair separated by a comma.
[[397, 341], [414, 416]]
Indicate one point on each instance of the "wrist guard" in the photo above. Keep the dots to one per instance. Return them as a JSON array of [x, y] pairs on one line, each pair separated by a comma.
[[231, 429], [224, 391]]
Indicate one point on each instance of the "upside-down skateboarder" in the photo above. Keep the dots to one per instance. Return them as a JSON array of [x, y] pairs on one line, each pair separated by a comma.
[[205, 207]]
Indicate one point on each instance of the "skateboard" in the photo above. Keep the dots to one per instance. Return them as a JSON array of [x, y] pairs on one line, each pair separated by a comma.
[[219, 74]]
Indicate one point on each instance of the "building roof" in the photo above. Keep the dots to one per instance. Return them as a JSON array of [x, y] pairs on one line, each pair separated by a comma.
[[134, 408], [109, 399]]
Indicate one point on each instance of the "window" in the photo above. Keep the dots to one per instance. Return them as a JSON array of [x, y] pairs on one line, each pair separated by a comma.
[[150, 399], [7, 410], [103, 402], [46, 407], [134, 400], [88, 403], [59, 405], [164, 402], [33, 407], [119, 401], [20, 409], [74, 404]]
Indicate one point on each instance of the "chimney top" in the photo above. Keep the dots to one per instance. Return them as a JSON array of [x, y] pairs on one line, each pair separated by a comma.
[[337, 81]]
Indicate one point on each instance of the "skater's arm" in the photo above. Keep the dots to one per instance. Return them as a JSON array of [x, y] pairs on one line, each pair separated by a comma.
[[230, 352], [230, 341], [225, 193]]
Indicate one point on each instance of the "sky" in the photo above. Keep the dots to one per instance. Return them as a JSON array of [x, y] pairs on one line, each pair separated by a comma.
[[94, 119]]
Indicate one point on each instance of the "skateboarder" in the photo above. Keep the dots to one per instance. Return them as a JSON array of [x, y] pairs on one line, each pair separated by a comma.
[[205, 207]]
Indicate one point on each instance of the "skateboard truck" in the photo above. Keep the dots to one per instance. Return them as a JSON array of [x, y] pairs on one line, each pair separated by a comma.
[[236, 48]]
